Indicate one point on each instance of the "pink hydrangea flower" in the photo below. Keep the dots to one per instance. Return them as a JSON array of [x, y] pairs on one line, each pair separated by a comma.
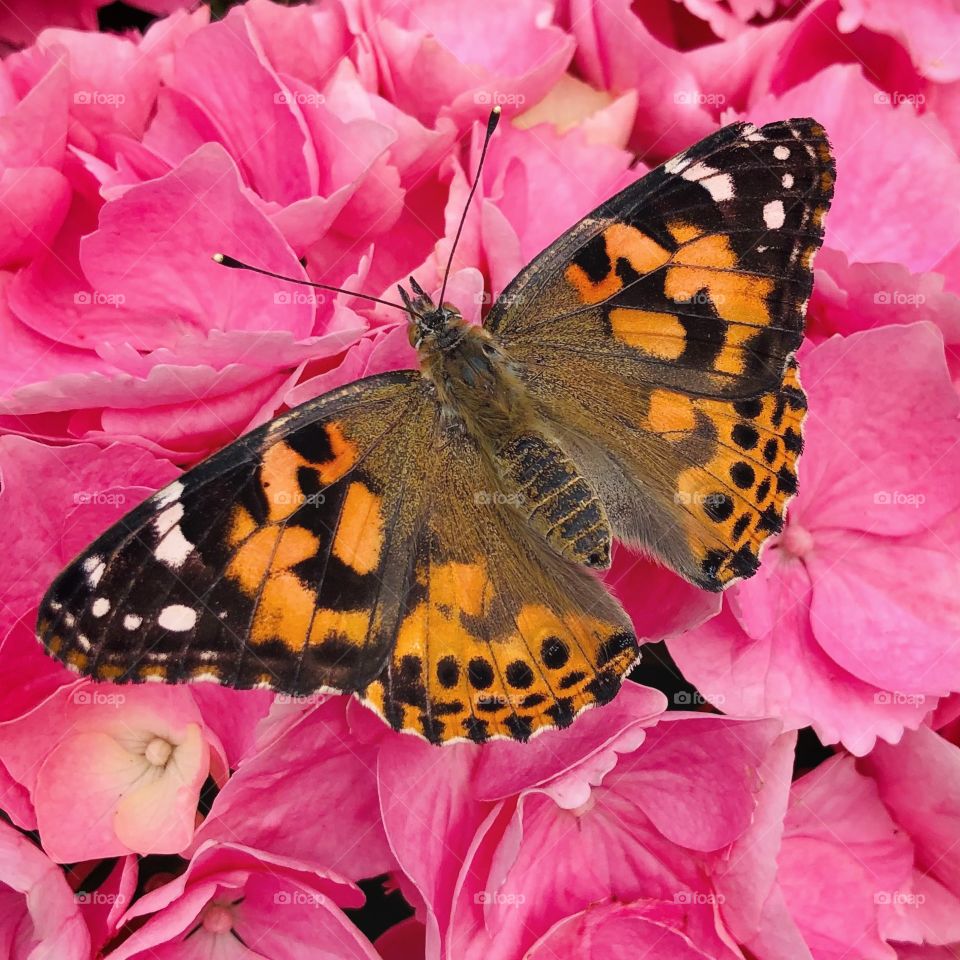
[[232, 900], [120, 770], [602, 802], [39, 916]]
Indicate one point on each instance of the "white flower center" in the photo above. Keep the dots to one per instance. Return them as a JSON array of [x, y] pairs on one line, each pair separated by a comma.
[[158, 751]]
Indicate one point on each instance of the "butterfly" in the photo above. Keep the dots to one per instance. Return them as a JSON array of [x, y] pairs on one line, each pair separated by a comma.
[[428, 540]]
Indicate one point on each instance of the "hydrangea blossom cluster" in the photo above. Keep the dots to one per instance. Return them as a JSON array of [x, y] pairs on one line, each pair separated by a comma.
[[335, 142]]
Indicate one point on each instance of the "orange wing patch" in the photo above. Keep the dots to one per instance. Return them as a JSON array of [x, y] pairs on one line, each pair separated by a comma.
[[659, 334], [359, 539], [622, 241], [280, 466], [703, 265]]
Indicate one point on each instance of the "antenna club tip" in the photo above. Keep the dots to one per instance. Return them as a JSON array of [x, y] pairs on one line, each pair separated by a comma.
[[493, 120], [217, 258]]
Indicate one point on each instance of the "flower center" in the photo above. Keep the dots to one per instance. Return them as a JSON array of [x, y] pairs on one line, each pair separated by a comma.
[[797, 540], [158, 751], [585, 808], [217, 918]]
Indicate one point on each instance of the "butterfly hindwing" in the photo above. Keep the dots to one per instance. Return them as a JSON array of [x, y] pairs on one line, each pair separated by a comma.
[[654, 329]]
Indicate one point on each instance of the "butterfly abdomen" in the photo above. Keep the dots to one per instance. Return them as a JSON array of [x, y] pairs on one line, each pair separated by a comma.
[[558, 502]]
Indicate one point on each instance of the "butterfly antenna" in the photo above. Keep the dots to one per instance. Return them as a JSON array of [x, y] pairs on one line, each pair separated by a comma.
[[492, 122], [227, 261]]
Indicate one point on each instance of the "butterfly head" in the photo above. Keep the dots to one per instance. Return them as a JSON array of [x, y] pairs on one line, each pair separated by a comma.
[[430, 325]]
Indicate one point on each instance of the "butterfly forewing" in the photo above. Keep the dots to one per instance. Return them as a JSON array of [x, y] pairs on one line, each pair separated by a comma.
[[658, 336], [263, 566]]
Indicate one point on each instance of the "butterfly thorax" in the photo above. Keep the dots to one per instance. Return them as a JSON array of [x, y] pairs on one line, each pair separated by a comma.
[[482, 393]]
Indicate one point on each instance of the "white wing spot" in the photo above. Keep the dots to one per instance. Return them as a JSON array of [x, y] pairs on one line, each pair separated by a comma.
[[170, 493], [131, 621], [101, 606], [173, 548], [677, 163], [94, 567], [781, 152], [698, 171], [787, 180], [773, 214], [177, 617], [203, 676], [720, 187], [83, 641], [755, 137]]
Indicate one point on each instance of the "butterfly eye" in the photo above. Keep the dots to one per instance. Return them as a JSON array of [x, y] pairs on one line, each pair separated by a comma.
[[413, 334]]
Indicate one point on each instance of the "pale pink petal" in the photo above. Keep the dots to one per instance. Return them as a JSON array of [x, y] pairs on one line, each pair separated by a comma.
[[838, 831], [430, 817], [925, 32], [923, 765], [159, 813], [455, 60], [37, 908], [322, 769], [617, 51], [112, 85], [154, 247], [281, 166], [898, 468], [661, 930], [505, 768]]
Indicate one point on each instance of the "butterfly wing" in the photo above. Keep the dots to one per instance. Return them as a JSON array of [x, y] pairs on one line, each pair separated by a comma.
[[658, 334], [287, 534], [356, 544]]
